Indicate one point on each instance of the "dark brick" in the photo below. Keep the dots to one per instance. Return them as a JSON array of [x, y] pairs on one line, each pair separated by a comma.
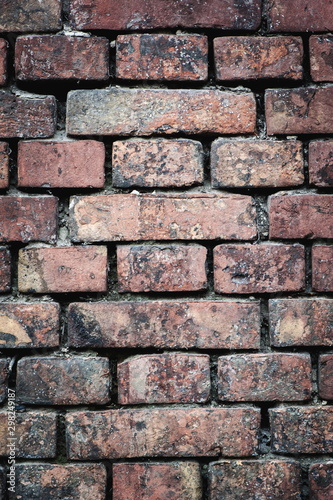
[[3, 61], [4, 370], [321, 481], [321, 163], [321, 58], [4, 165], [326, 376], [322, 269], [300, 15], [3, 481], [5, 270], [30, 15]]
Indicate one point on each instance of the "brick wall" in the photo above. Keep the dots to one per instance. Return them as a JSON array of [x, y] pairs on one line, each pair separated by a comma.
[[166, 276]]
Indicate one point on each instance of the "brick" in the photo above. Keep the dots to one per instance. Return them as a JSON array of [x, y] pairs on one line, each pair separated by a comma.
[[159, 111], [137, 14], [63, 269], [326, 376], [321, 480], [252, 58], [165, 324], [264, 377], [22, 116], [259, 163], [294, 216], [28, 218], [3, 480], [301, 322], [161, 268], [3, 61], [300, 429], [61, 164], [321, 163], [274, 479], [148, 481], [61, 57], [5, 270], [321, 58], [30, 15], [75, 481], [162, 57], [4, 165], [35, 433], [4, 367], [164, 378], [167, 432], [299, 111], [264, 268], [297, 15], [157, 163], [132, 217], [322, 270]]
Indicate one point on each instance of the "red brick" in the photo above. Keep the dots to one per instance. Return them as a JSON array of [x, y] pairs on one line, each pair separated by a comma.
[[299, 111], [128, 217], [256, 163], [321, 163], [294, 216], [60, 57], [264, 377], [4, 367], [65, 164], [326, 376], [321, 481], [4, 165], [35, 434], [30, 15], [28, 218], [164, 378], [321, 58], [22, 116], [167, 432], [157, 163], [161, 268], [252, 58], [297, 15], [303, 322], [264, 268], [159, 111], [57, 481], [149, 481], [63, 269], [162, 57], [322, 269], [3, 61], [5, 270], [307, 429]]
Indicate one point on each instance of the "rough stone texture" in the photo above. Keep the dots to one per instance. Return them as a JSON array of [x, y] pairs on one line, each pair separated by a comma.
[[30, 15], [295, 216], [321, 163], [157, 163], [5, 270], [251, 58], [161, 268], [121, 111], [300, 15], [322, 269], [256, 163], [4, 165], [307, 429], [274, 480], [62, 269], [57, 381], [4, 365], [264, 268], [321, 58], [301, 322], [299, 111], [63, 164], [164, 378], [3, 61], [167, 432], [165, 324], [321, 481], [264, 377], [59, 57], [326, 376], [150, 481], [131, 217]]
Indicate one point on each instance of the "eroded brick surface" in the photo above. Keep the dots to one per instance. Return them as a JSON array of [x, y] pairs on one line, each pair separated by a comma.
[[4, 165], [30, 15], [326, 376], [5, 270], [297, 15], [322, 269], [3, 61], [321, 480], [4, 371], [321, 163], [321, 58]]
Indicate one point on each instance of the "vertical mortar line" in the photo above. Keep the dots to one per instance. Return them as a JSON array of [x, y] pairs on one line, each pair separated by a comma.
[[308, 267], [214, 378], [265, 345]]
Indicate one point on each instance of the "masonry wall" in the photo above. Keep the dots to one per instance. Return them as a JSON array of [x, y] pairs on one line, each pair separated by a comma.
[[166, 277]]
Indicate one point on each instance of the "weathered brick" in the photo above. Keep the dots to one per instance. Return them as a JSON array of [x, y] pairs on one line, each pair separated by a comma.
[[148, 481], [297, 15], [157, 163], [22, 116], [307, 429], [4, 367], [65, 164], [30, 15], [63, 269], [167, 432], [121, 111], [161, 268], [5, 270], [299, 111], [321, 163], [74, 481], [128, 217], [164, 378], [4, 165], [138, 14], [259, 163], [322, 269], [294, 216], [28, 218], [264, 377], [321, 481], [321, 58], [303, 322], [275, 479], [162, 57], [3, 61], [264, 268], [326, 376], [252, 58], [60, 57], [35, 433]]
